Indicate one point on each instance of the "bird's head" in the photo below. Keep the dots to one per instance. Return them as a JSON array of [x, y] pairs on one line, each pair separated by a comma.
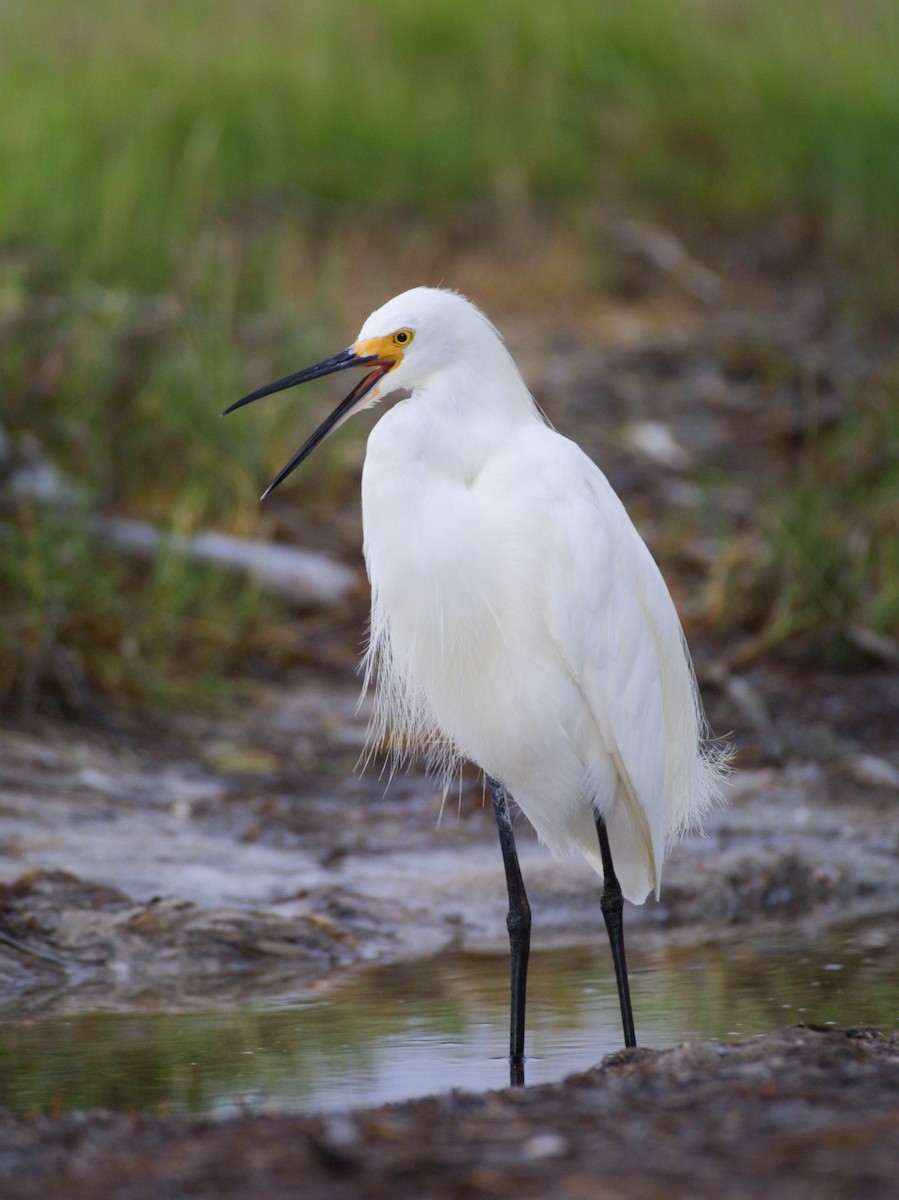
[[401, 345]]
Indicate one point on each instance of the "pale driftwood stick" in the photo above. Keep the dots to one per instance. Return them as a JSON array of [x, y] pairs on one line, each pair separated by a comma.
[[304, 577]]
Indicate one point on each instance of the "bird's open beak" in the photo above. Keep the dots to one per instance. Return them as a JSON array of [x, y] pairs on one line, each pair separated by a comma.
[[353, 403]]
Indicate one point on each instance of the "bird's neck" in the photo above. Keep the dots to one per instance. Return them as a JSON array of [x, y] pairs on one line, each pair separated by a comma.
[[463, 416]]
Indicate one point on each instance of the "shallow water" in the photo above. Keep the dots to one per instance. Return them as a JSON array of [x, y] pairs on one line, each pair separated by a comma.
[[393, 1033]]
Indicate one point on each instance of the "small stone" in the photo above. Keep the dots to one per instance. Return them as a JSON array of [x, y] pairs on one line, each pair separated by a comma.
[[544, 1145], [872, 772], [655, 441], [340, 1130]]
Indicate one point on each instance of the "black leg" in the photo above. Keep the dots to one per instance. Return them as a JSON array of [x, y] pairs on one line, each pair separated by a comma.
[[518, 922], [612, 906]]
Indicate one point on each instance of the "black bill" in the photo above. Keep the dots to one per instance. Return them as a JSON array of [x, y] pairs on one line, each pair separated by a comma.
[[338, 362]]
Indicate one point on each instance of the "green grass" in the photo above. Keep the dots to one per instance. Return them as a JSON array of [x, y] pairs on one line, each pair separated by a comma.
[[78, 621], [133, 126], [834, 531], [159, 159]]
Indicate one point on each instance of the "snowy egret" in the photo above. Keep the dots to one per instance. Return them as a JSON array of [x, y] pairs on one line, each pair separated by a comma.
[[517, 620]]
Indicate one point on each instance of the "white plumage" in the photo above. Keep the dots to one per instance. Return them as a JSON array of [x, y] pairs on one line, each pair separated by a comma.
[[518, 620]]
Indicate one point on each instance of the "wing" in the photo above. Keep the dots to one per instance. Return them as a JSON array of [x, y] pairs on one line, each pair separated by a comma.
[[616, 628]]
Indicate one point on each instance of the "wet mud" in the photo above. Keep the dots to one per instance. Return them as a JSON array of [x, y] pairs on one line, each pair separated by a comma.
[[142, 872]]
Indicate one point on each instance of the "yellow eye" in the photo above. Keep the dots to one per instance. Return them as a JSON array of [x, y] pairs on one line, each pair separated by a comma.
[[403, 337]]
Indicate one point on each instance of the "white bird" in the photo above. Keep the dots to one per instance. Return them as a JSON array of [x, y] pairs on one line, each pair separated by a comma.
[[517, 620]]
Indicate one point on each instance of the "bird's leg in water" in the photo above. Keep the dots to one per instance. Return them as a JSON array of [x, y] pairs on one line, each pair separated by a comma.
[[518, 922], [612, 906]]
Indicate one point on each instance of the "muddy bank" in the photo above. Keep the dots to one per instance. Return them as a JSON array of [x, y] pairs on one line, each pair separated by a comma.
[[244, 859], [795, 1114], [243, 865]]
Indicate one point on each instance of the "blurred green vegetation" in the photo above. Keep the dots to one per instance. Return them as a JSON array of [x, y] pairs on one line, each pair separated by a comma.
[[835, 538], [130, 126], [168, 167]]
